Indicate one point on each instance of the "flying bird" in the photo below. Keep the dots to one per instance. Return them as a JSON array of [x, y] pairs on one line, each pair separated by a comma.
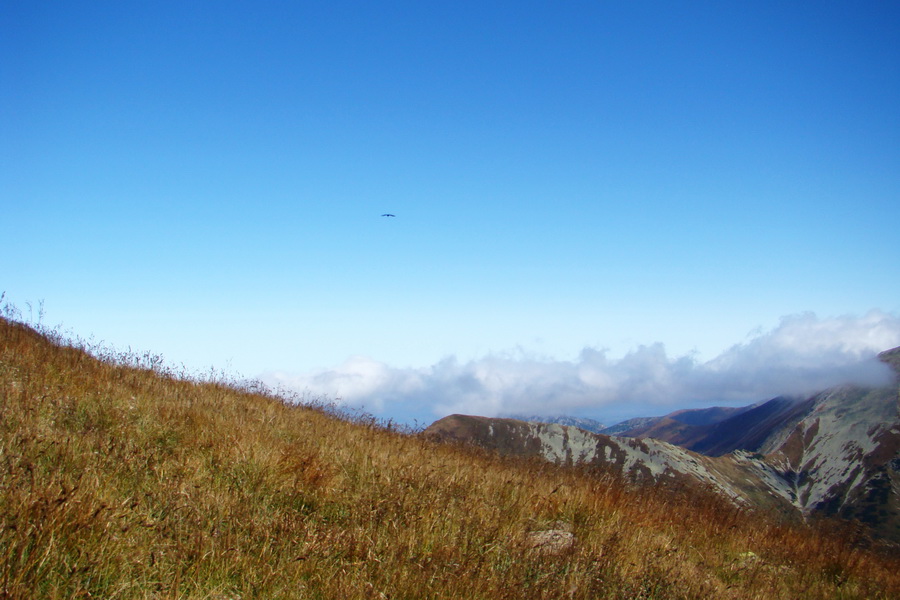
[[388, 215]]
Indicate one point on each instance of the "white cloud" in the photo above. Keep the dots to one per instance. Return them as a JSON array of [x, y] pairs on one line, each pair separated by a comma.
[[801, 355]]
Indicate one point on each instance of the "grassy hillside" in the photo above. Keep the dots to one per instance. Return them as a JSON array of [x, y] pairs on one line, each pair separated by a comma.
[[122, 482]]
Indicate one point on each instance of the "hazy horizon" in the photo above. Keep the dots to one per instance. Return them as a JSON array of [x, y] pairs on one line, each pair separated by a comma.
[[803, 355]]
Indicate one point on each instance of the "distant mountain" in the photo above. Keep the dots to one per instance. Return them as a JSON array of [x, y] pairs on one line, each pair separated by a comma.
[[836, 453], [579, 422], [707, 416], [698, 416], [636, 423], [735, 429]]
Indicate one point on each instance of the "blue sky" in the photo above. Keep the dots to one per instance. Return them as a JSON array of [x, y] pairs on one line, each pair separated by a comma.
[[205, 180]]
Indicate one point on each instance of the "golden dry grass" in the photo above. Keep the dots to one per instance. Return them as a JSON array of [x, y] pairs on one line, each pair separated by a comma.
[[126, 482]]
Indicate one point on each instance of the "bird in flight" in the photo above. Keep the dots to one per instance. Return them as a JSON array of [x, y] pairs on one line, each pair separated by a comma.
[[388, 215]]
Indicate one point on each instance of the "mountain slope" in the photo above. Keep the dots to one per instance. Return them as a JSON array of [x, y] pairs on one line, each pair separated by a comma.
[[636, 423], [681, 422], [707, 416], [836, 453], [122, 481], [580, 422], [643, 460], [722, 431], [751, 429], [840, 459], [677, 427], [843, 457]]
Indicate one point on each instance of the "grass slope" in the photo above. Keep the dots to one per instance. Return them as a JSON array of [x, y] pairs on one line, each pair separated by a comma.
[[126, 482]]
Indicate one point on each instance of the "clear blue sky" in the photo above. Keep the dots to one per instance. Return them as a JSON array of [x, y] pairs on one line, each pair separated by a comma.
[[205, 179]]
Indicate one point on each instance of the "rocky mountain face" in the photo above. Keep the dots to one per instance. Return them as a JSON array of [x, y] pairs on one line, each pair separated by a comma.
[[836, 453], [842, 458], [742, 476]]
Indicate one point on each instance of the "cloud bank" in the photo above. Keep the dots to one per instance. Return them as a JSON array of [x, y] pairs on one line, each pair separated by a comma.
[[803, 354]]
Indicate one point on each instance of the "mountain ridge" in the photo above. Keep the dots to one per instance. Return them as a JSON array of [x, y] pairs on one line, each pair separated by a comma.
[[585, 423]]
